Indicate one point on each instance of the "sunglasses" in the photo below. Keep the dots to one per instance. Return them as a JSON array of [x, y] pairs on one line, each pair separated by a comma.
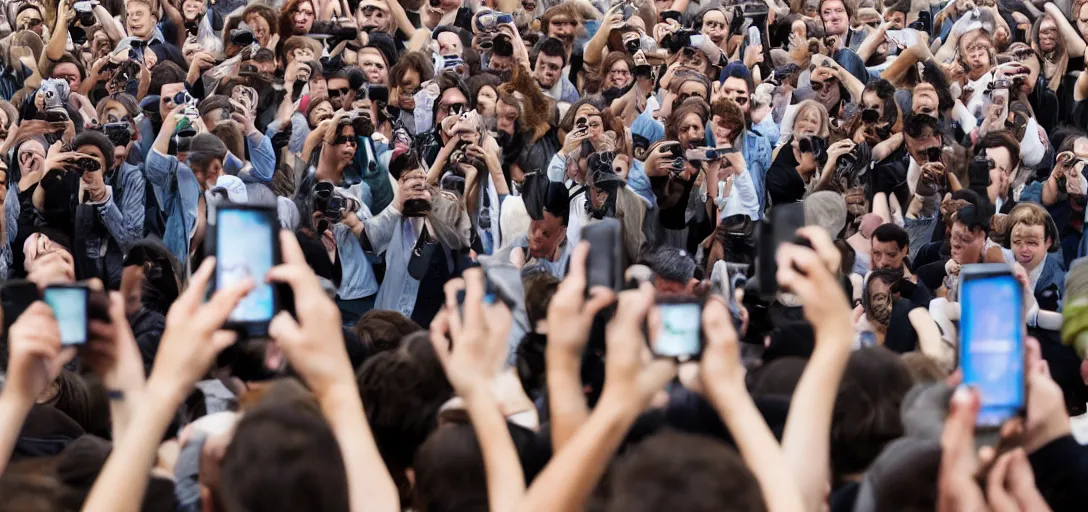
[[344, 139], [336, 93], [818, 86], [33, 23], [741, 100], [454, 108]]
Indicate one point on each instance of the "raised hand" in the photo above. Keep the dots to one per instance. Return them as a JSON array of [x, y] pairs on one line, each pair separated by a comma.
[[632, 376], [477, 343], [36, 356], [570, 313]]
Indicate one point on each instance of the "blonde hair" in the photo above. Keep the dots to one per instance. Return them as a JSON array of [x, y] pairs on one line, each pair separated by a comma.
[[1029, 214], [807, 106]]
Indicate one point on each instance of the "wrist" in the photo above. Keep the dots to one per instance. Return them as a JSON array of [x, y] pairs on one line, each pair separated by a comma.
[[14, 402]]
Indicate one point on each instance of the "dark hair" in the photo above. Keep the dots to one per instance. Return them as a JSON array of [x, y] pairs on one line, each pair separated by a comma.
[[286, 24], [738, 70], [551, 47], [162, 73], [449, 468], [405, 162], [161, 273], [232, 136], [543, 195], [866, 413], [285, 457], [416, 61], [1000, 139], [679, 471], [67, 58], [98, 140], [886, 92], [890, 232], [932, 74], [382, 330], [403, 390], [268, 13], [691, 106]]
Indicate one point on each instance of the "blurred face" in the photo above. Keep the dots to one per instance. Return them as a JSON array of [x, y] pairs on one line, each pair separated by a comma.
[[500, 63], [807, 122], [548, 70], [260, 28], [836, 21], [166, 103], [1002, 172], [139, 21], [887, 255], [562, 27], [452, 102], [692, 132], [191, 10], [917, 147], [344, 145], [30, 19], [302, 54], [69, 73], [486, 100], [31, 156], [966, 244], [714, 26], [723, 133], [373, 65], [1029, 245], [694, 60], [302, 19], [507, 117], [132, 281], [736, 89], [320, 113], [1048, 35], [210, 174], [976, 48], [339, 89], [620, 75], [925, 100], [1082, 19], [449, 44], [376, 19], [870, 100], [545, 235], [318, 85], [93, 152], [898, 18]]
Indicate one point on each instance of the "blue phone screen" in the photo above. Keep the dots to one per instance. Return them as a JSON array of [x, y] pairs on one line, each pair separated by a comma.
[[244, 249], [70, 309], [680, 331], [992, 345]]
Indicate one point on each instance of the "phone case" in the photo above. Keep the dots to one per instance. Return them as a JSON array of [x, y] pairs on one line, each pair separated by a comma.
[[604, 265]]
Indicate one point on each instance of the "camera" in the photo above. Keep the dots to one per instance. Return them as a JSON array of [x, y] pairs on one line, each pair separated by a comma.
[[502, 45], [677, 40], [814, 145], [85, 164], [85, 13], [119, 133], [490, 21], [54, 95], [631, 42], [870, 116], [242, 37]]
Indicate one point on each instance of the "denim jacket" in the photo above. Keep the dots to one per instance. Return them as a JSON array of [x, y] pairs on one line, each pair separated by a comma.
[[125, 221], [757, 157], [261, 156], [300, 129], [178, 194]]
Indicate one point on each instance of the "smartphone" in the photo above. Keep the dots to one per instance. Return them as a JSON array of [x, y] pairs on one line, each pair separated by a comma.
[[754, 38], [247, 246], [785, 220], [679, 328], [991, 350], [70, 304], [15, 296], [604, 265]]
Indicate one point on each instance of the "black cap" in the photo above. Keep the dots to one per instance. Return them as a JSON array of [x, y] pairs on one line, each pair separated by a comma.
[[383, 43], [974, 218]]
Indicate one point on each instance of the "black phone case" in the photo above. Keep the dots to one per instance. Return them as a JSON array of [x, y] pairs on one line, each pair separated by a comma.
[[15, 296], [604, 265], [785, 220]]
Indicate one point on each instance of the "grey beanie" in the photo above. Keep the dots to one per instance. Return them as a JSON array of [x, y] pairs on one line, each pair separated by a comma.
[[826, 209], [207, 143]]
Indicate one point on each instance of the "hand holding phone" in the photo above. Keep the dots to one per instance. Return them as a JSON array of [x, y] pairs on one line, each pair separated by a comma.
[[70, 304], [676, 328], [246, 247]]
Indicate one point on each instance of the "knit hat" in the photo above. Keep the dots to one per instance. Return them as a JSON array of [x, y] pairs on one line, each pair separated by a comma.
[[826, 209], [384, 44], [207, 143]]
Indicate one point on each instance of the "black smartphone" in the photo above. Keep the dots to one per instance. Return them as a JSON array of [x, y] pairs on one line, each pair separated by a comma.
[[991, 349], [70, 304], [924, 22], [785, 220], [15, 296], [604, 265], [678, 328], [247, 246]]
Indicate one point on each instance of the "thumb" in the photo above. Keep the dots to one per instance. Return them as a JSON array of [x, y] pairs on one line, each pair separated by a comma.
[[222, 339]]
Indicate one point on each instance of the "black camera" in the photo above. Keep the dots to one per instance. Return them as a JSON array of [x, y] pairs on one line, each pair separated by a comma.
[[870, 115], [242, 37], [502, 46], [814, 145], [119, 133], [328, 202], [631, 42], [333, 31], [85, 164], [677, 40]]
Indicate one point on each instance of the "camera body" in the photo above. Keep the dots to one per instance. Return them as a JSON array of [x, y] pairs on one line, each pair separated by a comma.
[[54, 95]]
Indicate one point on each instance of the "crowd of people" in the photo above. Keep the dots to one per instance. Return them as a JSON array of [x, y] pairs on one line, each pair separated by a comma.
[[453, 331]]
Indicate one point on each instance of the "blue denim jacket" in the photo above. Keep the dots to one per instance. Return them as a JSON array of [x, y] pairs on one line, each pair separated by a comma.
[[178, 194], [757, 157], [300, 128], [261, 156]]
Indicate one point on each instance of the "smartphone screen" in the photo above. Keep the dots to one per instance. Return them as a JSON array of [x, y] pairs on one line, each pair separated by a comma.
[[991, 344], [604, 265], [69, 304], [243, 249], [679, 331]]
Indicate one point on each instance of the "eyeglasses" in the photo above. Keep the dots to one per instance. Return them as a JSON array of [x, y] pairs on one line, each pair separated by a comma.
[[344, 139], [336, 93], [818, 86]]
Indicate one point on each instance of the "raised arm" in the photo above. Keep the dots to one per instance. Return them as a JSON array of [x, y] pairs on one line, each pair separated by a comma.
[[315, 348], [54, 50], [570, 318], [178, 365], [473, 352], [1074, 43], [401, 16], [630, 382]]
